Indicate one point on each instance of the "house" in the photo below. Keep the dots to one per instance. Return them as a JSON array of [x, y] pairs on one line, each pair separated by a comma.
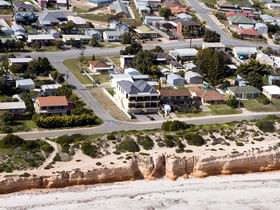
[[190, 66], [48, 90], [162, 58], [126, 60], [236, 20], [25, 84], [176, 98], [175, 80], [51, 105], [5, 27], [206, 96], [51, 18], [240, 81], [244, 92], [227, 6], [271, 92], [273, 6], [100, 2], [247, 33], [116, 25], [175, 66], [137, 97], [21, 61], [267, 18], [100, 66], [261, 28], [112, 36], [144, 32], [274, 80], [136, 75], [193, 77], [189, 25], [5, 4], [23, 6], [184, 16], [25, 17], [243, 53], [80, 22], [149, 20], [217, 46], [68, 38], [57, 3], [185, 54], [94, 33], [119, 9], [13, 107], [264, 59], [120, 77], [44, 39]]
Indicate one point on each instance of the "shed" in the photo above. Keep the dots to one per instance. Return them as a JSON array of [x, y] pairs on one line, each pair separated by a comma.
[[175, 80]]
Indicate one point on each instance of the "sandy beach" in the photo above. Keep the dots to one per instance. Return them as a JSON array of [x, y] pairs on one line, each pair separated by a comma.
[[255, 191]]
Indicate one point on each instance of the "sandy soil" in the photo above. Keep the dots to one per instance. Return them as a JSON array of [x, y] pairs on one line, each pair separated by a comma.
[[240, 192]]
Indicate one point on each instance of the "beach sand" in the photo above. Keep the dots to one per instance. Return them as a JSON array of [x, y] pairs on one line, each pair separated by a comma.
[[257, 191]]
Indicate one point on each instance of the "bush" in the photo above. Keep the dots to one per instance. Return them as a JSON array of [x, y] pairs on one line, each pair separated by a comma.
[[174, 126], [195, 139], [57, 158], [265, 125], [25, 174], [263, 100], [169, 141], [232, 102], [89, 149], [11, 141], [239, 144], [128, 145], [146, 142], [59, 121], [111, 137]]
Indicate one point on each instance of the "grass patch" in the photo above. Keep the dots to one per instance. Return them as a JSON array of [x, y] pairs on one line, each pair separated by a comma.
[[222, 110], [101, 78], [254, 106], [74, 66], [96, 17]]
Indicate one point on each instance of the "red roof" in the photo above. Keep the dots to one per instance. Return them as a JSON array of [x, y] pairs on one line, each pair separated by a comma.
[[247, 32], [98, 64], [52, 101], [174, 92], [212, 95]]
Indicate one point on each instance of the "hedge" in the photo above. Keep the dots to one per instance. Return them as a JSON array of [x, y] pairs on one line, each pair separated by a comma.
[[59, 121]]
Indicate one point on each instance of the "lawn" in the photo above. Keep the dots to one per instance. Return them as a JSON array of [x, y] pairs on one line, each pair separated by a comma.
[[242, 3], [254, 106], [96, 17], [74, 66], [101, 78], [222, 110], [116, 60]]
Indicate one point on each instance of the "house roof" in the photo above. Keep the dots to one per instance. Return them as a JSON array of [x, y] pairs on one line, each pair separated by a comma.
[[77, 20], [143, 29], [52, 101], [174, 92], [212, 95], [248, 32], [176, 64], [113, 33], [184, 52], [272, 89], [98, 64], [119, 7], [192, 74], [51, 17], [137, 87], [50, 87], [22, 5], [174, 76], [12, 105], [247, 89], [250, 50], [240, 20], [213, 44], [23, 82], [20, 60], [4, 3]]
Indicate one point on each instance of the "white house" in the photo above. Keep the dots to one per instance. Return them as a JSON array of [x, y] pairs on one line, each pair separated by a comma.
[[120, 77], [267, 18], [149, 20], [50, 89], [100, 66], [214, 45], [13, 107], [137, 97], [184, 54], [175, 80], [112, 36], [271, 91], [42, 38], [273, 6], [264, 59], [22, 61], [261, 28], [25, 84], [193, 77], [243, 53]]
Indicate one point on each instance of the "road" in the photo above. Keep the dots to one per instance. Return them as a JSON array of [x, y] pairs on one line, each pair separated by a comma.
[[115, 125]]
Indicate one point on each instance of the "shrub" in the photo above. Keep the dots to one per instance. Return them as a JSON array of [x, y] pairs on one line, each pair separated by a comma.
[[263, 100], [174, 126], [169, 141], [128, 145], [146, 142], [195, 139], [89, 149], [57, 158], [265, 125], [239, 144], [25, 174], [11, 141], [111, 137]]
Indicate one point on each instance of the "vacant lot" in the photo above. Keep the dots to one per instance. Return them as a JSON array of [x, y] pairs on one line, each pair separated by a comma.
[[108, 105], [255, 106], [222, 110]]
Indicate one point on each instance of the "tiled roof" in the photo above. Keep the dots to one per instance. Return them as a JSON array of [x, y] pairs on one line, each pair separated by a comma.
[[52, 101], [174, 92], [98, 64], [212, 95], [248, 32], [137, 87]]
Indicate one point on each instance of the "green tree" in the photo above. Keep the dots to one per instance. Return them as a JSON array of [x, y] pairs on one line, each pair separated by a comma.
[[59, 44], [94, 43], [253, 66], [232, 102], [165, 12], [255, 79], [132, 49], [211, 36], [157, 49], [126, 38], [143, 61]]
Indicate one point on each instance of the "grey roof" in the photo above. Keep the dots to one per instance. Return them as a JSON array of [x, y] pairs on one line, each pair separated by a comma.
[[244, 89], [16, 27], [24, 82], [113, 33], [119, 7], [137, 87], [5, 3], [22, 5], [174, 76], [12, 105], [47, 17]]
